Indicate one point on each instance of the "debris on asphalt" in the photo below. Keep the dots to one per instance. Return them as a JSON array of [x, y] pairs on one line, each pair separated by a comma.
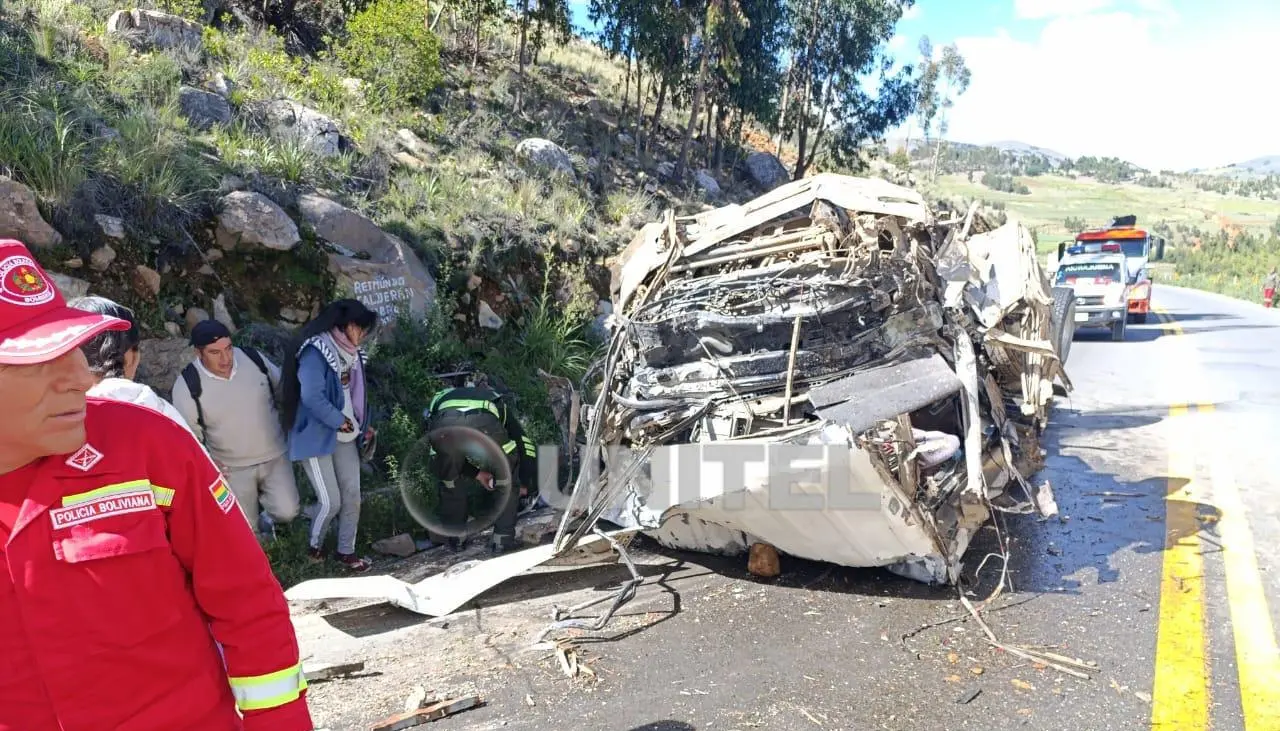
[[319, 672], [763, 561], [430, 713], [969, 696], [417, 699], [915, 351]]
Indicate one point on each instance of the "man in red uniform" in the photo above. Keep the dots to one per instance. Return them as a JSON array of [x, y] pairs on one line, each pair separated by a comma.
[[124, 560]]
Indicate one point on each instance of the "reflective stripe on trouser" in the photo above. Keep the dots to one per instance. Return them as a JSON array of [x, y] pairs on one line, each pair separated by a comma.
[[256, 692]]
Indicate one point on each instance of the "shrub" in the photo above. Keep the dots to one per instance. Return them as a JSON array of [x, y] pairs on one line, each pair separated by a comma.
[[390, 48]]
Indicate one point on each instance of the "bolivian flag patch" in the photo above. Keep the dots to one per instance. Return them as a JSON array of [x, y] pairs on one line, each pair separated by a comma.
[[222, 494]]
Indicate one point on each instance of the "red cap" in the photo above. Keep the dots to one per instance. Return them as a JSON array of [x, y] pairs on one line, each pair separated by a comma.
[[36, 326]]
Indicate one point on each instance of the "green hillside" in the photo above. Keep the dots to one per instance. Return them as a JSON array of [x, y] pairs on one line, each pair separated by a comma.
[[1054, 199]]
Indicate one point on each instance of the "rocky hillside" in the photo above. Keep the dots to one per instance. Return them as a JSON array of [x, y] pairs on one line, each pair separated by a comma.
[[189, 169]]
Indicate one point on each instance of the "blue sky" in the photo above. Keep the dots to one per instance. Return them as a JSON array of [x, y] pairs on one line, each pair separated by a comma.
[[1164, 83]]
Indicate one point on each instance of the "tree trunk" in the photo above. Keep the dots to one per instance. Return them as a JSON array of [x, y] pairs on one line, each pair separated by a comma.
[[524, 41], [639, 129], [696, 106], [782, 110], [656, 128], [822, 126]]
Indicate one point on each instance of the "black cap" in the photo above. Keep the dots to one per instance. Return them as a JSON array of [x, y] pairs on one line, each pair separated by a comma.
[[208, 332]]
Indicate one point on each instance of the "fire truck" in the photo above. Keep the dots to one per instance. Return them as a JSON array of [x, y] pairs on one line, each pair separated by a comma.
[[1138, 247]]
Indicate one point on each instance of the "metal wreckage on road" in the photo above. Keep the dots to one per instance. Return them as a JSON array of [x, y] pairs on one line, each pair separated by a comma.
[[833, 312], [917, 353]]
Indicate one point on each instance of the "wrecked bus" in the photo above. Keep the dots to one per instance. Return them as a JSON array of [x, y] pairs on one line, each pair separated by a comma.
[[829, 370]]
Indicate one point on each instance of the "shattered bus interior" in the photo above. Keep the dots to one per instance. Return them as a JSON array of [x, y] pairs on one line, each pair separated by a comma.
[[834, 312]]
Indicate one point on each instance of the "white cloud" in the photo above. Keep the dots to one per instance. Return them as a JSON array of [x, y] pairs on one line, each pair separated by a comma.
[[1035, 9], [1118, 84], [912, 12], [897, 42]]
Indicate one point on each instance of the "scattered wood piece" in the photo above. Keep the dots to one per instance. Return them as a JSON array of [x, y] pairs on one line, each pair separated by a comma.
[[1022, 684], [433, 712], [329, 671], [969, 696], [528, 700]]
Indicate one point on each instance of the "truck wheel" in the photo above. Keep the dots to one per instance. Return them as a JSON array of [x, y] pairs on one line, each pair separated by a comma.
[[1117, 330], [1062, 323]]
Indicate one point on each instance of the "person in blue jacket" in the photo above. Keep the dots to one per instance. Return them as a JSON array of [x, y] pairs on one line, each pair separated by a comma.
[[324, 410]]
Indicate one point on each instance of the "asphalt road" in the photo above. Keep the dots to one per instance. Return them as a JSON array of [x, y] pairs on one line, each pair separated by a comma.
[[1163, 570]]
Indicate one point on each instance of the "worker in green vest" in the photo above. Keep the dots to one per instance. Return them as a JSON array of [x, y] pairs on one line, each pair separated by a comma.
[[454, 456]]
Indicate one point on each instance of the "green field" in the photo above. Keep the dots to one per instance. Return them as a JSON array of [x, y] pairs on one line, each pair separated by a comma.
[[1054, 198]]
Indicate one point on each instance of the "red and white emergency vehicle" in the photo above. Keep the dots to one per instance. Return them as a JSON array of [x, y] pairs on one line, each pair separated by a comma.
[[1138, 247]]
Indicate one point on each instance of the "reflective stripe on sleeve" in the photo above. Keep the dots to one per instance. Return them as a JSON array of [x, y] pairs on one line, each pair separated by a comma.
[[257, 692], [529, 449], [164, 496], [509, 447]]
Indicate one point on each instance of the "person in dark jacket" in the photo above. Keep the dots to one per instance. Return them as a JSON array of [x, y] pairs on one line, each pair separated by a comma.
[[324, 410], [485, 411]]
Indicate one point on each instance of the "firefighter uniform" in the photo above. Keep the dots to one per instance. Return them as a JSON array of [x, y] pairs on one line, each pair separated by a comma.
[[135, 596], [487, 412]]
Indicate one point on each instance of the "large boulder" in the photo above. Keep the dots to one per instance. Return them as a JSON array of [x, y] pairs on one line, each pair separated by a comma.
[[162, 359], [203, 109], [399, 284], [708, 184], [291, 120], [340, 225], [545, 155], [371, 265], [70, 287], [20, 217], [149, 29], [766, 170], [252, 218]]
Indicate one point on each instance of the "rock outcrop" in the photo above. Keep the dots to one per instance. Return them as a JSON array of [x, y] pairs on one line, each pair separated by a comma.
[[147, 30], [203, 109], [545, 155], [290, 120], [252, 218], [20, 217], [766, 170]]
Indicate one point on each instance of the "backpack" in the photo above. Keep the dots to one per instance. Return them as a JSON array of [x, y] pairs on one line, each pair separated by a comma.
[[192, 378]]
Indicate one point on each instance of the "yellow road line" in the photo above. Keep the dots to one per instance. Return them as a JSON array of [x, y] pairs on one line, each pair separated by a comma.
[[1180, 693], [1257, 659]]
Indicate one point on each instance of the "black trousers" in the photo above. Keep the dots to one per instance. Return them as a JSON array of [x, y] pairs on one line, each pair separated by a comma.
[[450, 463]]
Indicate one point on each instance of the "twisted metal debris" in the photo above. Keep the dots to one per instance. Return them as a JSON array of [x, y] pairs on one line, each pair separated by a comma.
[[832, 311]]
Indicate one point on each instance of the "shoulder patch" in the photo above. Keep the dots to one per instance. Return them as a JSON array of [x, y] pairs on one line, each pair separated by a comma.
[[222, 494]]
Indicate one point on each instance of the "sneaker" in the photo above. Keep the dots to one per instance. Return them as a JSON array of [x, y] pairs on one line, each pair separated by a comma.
[[315, 555], [352, 561]]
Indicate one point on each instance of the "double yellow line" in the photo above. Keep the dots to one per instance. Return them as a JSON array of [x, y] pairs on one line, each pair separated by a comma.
[[1181, 693]]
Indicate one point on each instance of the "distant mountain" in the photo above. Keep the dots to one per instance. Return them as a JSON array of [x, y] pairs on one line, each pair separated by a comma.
[[1258, 166], [1022, 148], [1269, 165]]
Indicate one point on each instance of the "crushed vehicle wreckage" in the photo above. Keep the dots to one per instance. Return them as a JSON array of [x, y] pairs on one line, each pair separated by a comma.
[[917, 355], [834, 312]]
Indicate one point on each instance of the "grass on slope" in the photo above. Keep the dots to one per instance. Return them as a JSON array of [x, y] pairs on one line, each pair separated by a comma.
[[1053, 199]]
